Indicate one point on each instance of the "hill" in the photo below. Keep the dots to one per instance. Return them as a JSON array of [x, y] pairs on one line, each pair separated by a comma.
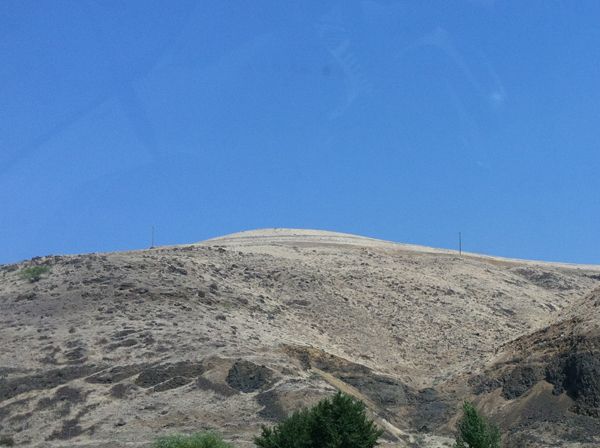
[[110, 350]]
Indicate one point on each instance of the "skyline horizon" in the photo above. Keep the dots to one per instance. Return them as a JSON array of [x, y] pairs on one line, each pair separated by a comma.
[[449, 249]]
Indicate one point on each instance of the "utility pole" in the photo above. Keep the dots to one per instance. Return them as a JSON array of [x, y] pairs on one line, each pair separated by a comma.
[[152, 245], [460, 244]]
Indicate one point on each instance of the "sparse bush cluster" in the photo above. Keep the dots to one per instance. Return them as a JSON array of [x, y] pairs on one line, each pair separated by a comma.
[[34, 273], [6, 441], [199, 440], [337, 422]]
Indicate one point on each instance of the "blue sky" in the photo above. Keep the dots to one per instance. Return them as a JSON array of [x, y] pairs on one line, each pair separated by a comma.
[[402, 120]]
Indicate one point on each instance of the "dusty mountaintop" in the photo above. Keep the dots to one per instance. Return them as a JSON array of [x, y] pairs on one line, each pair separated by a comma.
[[234, 332]]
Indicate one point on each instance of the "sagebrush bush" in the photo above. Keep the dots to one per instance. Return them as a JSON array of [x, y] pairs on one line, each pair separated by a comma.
[[475, 431], [34, 273], [336, 422], [6, 441], [198, 440]]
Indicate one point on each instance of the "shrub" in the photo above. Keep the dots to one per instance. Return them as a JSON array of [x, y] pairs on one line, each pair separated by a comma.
[[336, 422], [6, 441], [475, 431], [34, 273], [199, 440]]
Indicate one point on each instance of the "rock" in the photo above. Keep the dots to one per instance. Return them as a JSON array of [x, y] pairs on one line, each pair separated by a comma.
[[246, 376]]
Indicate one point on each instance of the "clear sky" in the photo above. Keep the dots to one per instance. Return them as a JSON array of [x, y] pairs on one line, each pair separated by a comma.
[[403, 120]]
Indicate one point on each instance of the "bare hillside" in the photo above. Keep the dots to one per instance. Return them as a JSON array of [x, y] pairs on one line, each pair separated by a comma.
[[544, 387], [231, 333]]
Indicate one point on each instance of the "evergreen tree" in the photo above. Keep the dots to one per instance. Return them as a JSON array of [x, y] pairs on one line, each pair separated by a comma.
[[475, 431]]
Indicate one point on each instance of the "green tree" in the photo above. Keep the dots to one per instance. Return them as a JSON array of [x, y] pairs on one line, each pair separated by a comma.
[[199, 440], [475, 431], [34, 273], [336, 422]]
